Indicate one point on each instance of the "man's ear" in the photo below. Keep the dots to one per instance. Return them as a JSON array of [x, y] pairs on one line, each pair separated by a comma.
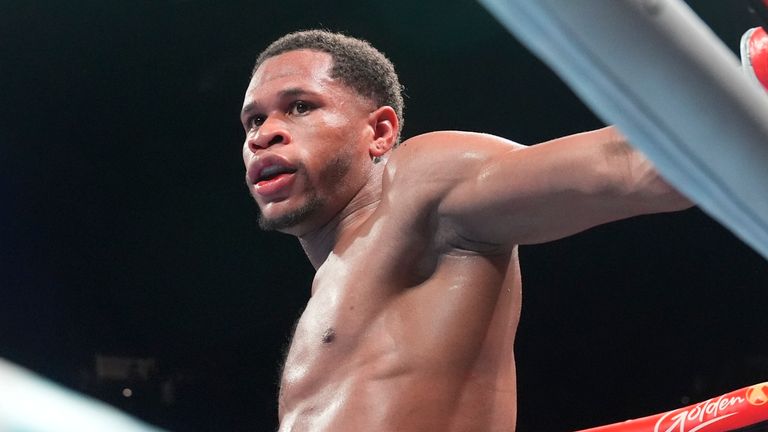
[[385, 126]]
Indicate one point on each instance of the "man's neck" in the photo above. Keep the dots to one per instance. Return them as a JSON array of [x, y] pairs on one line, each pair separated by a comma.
[[319, 243]]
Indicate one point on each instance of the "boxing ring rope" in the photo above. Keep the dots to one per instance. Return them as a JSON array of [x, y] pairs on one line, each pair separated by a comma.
[[31, 404], [742, 410], [675, 90]]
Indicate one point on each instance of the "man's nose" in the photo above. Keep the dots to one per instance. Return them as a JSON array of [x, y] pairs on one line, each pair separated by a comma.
[[271, 132]]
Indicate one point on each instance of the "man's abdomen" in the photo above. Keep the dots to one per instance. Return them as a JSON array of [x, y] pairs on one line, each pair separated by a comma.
[[412, 401]]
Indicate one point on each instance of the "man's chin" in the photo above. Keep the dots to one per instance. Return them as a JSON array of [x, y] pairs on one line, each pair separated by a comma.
[[290, 219]]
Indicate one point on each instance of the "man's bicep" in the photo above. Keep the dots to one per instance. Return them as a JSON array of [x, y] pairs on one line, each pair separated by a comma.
[[537, 194]]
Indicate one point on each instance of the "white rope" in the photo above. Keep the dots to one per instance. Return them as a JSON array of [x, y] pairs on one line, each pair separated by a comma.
[[30, 404]]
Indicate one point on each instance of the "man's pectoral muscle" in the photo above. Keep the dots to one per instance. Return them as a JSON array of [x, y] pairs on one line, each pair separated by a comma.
[[432, 356]]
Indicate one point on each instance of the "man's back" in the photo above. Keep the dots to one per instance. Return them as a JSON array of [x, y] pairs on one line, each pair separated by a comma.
[[406, 330]]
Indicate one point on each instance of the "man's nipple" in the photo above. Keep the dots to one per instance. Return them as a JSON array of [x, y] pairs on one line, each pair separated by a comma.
[[329, 335]]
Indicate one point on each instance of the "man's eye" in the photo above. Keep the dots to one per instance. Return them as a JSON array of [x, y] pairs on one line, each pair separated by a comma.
[[300, 107], [255, 121]]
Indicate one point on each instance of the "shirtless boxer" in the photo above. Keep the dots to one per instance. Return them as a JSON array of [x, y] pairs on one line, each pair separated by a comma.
[[416, 299]]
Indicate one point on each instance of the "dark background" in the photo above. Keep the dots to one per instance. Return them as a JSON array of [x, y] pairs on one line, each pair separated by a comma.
[[126, 229]]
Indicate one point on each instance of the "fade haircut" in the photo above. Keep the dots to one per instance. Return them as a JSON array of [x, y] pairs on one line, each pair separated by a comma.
[[356, 63]]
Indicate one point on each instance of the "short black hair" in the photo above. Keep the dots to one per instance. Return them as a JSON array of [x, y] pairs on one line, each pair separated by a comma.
[[356, 63]]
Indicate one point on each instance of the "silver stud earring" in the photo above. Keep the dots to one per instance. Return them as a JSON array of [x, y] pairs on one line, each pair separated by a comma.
[[376, 159]]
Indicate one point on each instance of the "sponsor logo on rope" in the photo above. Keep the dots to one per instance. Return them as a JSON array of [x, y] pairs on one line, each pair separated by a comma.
[[758, 394], [699, 416]]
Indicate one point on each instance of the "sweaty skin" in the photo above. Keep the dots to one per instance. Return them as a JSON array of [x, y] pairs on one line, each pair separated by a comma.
[[414, 307]]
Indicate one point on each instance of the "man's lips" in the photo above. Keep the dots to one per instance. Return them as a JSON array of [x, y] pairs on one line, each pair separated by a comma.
[[274, 185], [270, 173], [267, 167]]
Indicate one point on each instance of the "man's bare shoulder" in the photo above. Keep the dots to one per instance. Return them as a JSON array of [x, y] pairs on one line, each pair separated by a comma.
[[444, 156], [452, 144], [426, 169]]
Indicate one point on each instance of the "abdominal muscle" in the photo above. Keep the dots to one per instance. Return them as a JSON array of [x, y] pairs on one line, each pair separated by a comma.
[[427, 359], [412, 402]]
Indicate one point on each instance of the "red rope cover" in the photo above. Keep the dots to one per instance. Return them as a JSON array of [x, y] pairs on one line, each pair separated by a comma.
[[731, 412], [758, 55]]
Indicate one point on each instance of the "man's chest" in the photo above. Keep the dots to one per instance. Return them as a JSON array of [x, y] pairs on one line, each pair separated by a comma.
[[344, 326], [367, 315]]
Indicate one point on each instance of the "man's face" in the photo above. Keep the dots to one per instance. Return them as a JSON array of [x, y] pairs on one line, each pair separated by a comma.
[[306, 141]]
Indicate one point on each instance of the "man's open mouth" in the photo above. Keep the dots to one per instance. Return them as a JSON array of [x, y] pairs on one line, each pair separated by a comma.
[[272, 172]]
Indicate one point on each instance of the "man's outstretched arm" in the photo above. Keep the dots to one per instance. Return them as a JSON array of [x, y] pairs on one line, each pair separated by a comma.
[[492, 191]]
